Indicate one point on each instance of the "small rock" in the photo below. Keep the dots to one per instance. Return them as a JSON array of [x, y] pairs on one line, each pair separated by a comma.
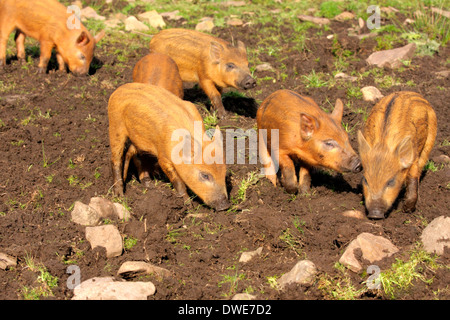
[[442, 74], [249, 255], [389, 9], [392, 58], [361, 23], [371, 94], [436, 235], [441, 12], [374, 248], [120, 16], [234, 3], [172, 15], [89, 13], [85, 215], [354, 214], [205, 26], [132, 268], [235, 22], [344, 16], [243, 296], [107, 236], [105, 288], [153, 18], [104, 207], [316, 20], [112, 23], [302, 273], [263, 67], [7, 261], [345, 76], [121, 212], [366, 35], [133, 24], [408, 21]]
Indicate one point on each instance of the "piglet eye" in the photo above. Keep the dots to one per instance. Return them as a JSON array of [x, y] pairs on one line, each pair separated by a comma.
[[82, 57], [330, 144], [230, 66], [390, 183], [205, 176]]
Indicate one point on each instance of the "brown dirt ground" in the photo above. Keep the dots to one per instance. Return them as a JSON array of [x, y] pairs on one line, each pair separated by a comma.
[[61, 121]]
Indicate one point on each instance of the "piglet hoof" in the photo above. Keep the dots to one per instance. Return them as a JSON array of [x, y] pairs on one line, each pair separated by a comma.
[[41, 70], [409, 206], [147, 182], [291, 189], [221, 114]]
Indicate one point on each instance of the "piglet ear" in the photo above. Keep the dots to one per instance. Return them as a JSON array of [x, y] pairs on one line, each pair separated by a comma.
[[338, 111], [216, 51], [308, 125], [405, 152], [83, 39], [364, 146], [241, 46], [99, 36]]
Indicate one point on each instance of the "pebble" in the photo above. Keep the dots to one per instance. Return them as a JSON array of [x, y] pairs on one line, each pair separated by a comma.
[[85, 215], [131, 268], [373, 248], [153, 18], [436, 235], [249, 255], [263, 67], [392, 58], [354, 214], [243, 296], [303, 272], [89, 13], [316, 20], [205, 26], [7, 261], [344, 16], [107, 236], [371, 94], [106, 288], [133, 24]]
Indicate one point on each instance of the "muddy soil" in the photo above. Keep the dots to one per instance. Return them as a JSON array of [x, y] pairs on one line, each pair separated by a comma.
[[55, 151]]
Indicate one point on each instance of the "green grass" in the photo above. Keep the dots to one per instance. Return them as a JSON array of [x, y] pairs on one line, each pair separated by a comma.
[[251, 179], [46, 281], [403, 274]]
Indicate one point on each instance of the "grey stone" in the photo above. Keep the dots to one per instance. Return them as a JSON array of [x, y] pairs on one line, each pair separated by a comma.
[[316, 20], [105, 288], [107, 236], [392, 58], [7, 261], [436, 235], [249, 255], [131, 268], [104, 207], [133, 24], [243, 296], [303, 272], [371, 94], [373, 248], [85, 215]]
